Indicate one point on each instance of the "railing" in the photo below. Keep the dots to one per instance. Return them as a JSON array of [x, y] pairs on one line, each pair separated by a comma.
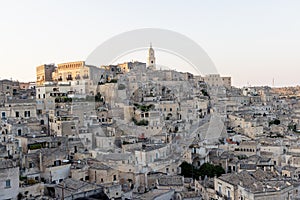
[[227, 198], [219, 194]]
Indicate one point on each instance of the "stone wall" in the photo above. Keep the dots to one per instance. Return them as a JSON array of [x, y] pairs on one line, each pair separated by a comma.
[[9, 182]]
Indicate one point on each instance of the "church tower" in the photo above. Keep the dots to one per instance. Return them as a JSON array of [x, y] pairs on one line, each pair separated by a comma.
[[151, 58]]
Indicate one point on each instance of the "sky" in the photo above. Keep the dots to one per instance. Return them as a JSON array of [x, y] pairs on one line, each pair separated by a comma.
[[255, 41]]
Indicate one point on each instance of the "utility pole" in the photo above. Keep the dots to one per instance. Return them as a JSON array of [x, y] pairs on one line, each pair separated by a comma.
[[48, 123], [192, 171], [2, 92], [63, 192]]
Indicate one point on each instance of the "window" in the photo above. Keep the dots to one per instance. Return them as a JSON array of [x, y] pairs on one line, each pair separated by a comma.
[[17, 114], [26, 113], [3, 115], [7, 184], [115, 177], [31, 165], [69, 77]]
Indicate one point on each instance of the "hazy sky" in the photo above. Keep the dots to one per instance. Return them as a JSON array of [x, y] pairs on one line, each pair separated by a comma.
[[253, 41]]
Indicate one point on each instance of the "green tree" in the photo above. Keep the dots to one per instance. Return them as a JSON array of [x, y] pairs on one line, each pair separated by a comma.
[[187, 169], [207, 169], [210, 170], [275, 121]]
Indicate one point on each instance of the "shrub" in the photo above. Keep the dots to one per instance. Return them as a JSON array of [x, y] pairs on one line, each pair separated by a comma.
[[113, 81], [144, 108], [31, 182], [275, 121], [34, 146], [121, 87], [204, 92], [140, 123]]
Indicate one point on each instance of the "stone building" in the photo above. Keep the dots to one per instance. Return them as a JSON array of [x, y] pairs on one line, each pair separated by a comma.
[[257, 185], [44, 74], [215, 80], [248, 148], [76, 71], [9, 180], [19, 108], [151, 153], [100, 174], [74, 189], [127, 66], [9, 87]]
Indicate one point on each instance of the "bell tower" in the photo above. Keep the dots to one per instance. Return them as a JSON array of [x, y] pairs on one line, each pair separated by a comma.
[[151, 58]]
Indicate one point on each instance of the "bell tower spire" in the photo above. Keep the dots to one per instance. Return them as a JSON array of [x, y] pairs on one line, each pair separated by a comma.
[[151, 57]]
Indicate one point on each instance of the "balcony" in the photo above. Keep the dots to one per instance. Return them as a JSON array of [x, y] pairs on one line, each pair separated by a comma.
[[219, 194], [227, 198], [69, 78], [85, 76]]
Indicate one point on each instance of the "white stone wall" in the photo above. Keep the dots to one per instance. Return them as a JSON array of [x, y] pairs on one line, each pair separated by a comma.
[[104, 142], [32, 190], [224, 188], [167, 195], [146, 157], [57, 173], [11, 174]]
